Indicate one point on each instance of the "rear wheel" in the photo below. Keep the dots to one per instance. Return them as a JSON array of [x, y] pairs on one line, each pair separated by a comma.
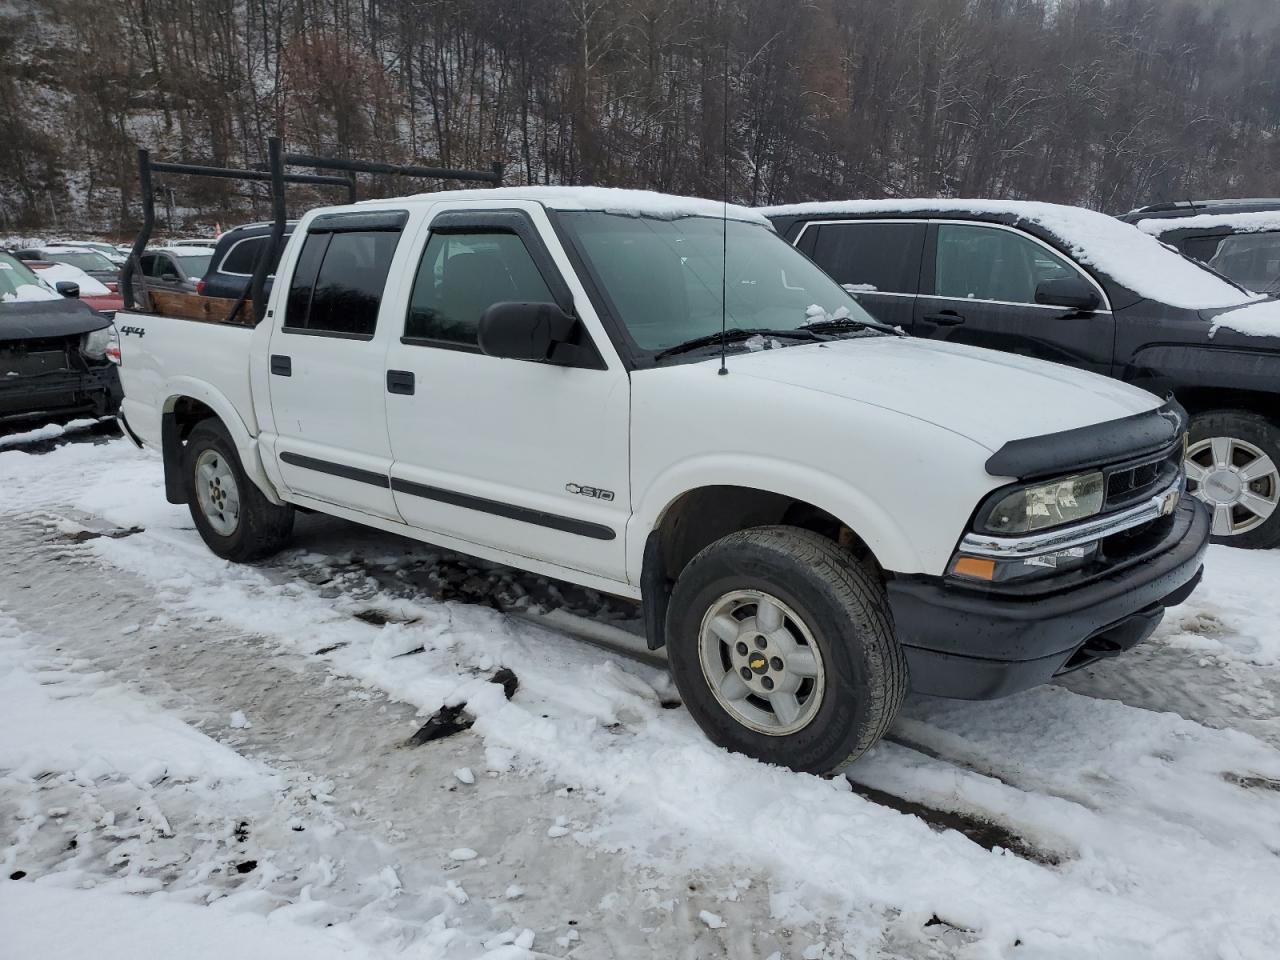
[[233, 516], [1232, 458], [783, 649]]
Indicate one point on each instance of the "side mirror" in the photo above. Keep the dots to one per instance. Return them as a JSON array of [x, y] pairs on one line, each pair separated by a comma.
[[167, 275], [68, 288], [1072, 292], [541, 332]]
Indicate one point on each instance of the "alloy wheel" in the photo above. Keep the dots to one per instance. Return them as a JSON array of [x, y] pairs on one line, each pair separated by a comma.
[[1237, 481]]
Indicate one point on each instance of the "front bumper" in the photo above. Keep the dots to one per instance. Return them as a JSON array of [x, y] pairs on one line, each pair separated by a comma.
[[975, 645], [94, 391]]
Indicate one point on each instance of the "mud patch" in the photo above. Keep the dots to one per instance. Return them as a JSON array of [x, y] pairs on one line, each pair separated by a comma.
[[80, 536], [985, 833], [1252, 781], [380, 618]]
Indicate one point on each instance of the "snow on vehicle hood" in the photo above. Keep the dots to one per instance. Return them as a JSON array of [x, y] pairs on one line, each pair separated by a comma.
[[1260, 319], [987, 396], [1132, 258], [29, 293], [89, 287]]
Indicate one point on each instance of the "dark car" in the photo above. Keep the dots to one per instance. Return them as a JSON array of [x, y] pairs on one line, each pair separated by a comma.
[[53, 351], [92, 262], [1084, 289], [1238, 238], [235, 256]]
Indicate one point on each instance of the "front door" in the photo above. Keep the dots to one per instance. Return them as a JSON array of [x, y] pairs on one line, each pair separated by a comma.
[[529, 458], [326, 366], [978, 287]]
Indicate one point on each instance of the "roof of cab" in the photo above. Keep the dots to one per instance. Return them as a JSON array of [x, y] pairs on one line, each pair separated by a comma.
[[635, 203]]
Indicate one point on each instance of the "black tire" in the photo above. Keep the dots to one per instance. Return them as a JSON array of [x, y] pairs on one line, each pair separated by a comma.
[[1260, 432], [845, 609], [262, 527]]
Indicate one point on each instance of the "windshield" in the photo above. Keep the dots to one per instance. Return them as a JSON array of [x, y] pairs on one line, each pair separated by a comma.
[[1251, 260], [84, 259], [664, 277], [19, 283]]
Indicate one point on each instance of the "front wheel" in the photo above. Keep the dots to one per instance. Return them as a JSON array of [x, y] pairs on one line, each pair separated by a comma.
[[1231, 464], [234, 517], [783, 649]]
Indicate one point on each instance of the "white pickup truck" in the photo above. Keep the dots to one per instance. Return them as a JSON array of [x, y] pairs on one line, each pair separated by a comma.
[[834, 515]]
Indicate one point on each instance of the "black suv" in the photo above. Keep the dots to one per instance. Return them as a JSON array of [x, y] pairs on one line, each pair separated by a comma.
[[1238, 238], [234, 257], [1081, 288]]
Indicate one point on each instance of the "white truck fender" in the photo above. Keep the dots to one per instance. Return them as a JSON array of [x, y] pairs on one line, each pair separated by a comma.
[[839, 497], [246, 443]]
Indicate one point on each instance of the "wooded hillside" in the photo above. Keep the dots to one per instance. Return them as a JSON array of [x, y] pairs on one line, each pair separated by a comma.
[[1108, 103]]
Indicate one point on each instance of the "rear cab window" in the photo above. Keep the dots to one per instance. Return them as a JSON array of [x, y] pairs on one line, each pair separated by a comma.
[[338, 281]]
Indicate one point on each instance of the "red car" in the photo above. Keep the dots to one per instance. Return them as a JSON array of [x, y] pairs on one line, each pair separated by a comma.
[[93, 292]]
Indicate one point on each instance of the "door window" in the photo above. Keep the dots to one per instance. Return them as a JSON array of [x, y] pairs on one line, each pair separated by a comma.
[[985, 263], [1251, 260], [338, 282], [461, 275], [872, 257]]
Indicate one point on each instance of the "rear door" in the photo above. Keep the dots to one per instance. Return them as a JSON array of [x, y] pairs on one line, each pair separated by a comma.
[[877, 261], [326, 366], [529, 458], [978, 287]]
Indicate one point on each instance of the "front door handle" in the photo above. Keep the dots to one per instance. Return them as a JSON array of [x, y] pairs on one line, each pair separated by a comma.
[[946, 318], [281, 365], [400, 381]]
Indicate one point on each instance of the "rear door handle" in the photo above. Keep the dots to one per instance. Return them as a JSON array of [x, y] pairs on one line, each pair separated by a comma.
[[947, 318], [281, 365], [400, 381]]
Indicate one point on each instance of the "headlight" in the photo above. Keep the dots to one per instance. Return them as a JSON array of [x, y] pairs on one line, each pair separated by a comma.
[[94, 344], [1047, 505]]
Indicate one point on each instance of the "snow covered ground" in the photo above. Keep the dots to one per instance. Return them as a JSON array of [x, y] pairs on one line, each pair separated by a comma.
[[196, 756]]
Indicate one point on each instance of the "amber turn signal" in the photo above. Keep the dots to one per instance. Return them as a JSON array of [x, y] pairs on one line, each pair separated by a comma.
[[975, 567]]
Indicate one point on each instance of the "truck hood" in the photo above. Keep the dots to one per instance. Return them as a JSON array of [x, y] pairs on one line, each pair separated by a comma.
[[986, 396], [33, 319]]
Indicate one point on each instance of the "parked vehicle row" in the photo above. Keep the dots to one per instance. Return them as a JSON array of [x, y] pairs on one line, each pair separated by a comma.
[[1082, 289], [659, 398]]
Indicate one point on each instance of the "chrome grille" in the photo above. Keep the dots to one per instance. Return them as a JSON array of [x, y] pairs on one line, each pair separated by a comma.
[[1131, 482]]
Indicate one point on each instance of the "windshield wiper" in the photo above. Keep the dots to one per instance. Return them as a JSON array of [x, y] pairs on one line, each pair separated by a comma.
[[736, 335], [847, 323]]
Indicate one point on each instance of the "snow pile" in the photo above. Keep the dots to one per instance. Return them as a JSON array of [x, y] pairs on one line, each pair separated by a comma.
[[50, 431], [1257, 222], [635, 203], [1132, 258], [1260, 319]]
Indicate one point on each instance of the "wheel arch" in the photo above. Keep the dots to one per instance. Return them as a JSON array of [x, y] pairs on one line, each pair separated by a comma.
[[189, 401], [695, 516]]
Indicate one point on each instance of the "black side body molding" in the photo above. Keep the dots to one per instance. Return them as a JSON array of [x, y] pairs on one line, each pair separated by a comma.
[[1090, 446], [336, 469], [539, 518]]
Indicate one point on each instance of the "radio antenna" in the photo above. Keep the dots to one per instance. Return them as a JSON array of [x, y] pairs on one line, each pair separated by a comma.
[[724, 216]]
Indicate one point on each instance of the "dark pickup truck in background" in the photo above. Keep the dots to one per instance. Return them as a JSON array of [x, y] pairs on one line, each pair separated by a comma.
[[1084, 289]]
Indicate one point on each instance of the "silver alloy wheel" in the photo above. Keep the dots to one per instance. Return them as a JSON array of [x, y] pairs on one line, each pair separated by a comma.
[[217, 492], [1237, 481], [761, 662]]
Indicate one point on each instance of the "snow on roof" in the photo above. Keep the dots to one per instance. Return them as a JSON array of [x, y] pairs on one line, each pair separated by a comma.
[[184, 251], [1130, 257], [1239, 222], [635, 203]]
